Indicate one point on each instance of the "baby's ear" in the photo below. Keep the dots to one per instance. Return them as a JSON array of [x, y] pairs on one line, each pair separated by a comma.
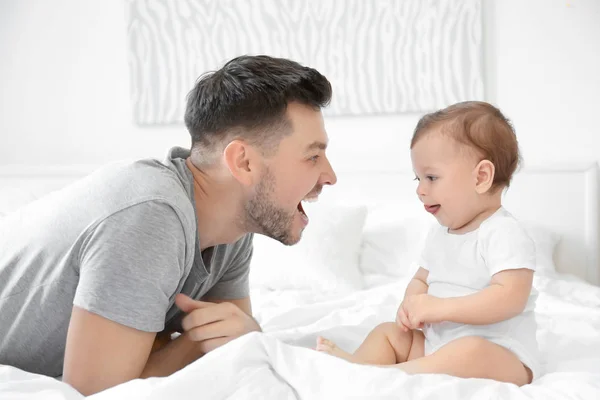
[[484, 176]]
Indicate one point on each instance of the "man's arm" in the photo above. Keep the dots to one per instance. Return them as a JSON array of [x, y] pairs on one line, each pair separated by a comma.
[[183, 350], [177, 354], [120, 353], [101, 353], [130, 265], [209, 323]]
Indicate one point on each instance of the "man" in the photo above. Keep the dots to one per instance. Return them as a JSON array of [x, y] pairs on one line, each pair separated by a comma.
[[90, 274]]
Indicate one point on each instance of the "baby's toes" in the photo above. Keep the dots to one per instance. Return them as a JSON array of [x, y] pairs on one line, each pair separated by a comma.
[[325, 345]]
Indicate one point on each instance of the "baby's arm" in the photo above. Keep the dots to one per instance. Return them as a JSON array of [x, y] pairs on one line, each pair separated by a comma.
[[417, 285], [505, 298], [510, 257]]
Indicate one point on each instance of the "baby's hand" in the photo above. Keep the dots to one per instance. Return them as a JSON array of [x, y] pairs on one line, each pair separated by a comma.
[[419, 309], [402, 319]]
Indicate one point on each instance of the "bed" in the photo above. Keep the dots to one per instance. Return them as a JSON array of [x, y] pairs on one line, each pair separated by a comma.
[[349, 273]]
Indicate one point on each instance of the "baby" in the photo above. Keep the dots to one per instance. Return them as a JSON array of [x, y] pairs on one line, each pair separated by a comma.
[[468, 311]]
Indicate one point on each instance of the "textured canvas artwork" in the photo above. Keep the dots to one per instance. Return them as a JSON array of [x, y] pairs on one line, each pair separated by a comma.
[[381, 56]]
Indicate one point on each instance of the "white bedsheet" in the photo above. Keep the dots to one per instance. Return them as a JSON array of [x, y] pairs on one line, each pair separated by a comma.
[[278, 365]]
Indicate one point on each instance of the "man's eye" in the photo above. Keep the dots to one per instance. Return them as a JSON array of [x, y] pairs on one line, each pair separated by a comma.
[[314, 158]]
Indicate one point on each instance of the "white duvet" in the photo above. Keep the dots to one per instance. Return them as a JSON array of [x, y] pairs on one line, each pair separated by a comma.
[[279, 364]]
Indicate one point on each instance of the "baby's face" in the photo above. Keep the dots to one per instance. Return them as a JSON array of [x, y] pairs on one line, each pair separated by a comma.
[[447, 179]]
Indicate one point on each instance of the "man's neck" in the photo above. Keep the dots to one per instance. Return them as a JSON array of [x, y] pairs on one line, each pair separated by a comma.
[[217, 209]]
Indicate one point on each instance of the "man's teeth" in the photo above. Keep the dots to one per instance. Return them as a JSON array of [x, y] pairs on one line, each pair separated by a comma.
[[310, 199]]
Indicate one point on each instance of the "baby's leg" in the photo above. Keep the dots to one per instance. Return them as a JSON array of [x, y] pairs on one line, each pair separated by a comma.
[[387, 344], [472, 357]]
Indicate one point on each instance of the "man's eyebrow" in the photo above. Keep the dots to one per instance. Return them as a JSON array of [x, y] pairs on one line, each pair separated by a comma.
[[316, 145]]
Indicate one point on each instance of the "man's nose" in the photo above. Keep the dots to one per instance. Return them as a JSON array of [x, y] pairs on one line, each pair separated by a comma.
[[328, 177]]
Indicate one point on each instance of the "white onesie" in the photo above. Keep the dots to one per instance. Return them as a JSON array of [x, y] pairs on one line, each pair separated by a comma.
[[463, 264]]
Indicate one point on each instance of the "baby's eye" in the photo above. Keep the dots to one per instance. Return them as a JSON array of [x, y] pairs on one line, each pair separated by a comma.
[[431, 177], [416, 179]]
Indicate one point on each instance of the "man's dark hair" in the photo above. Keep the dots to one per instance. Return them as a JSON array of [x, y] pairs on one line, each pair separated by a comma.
[[248, 98]]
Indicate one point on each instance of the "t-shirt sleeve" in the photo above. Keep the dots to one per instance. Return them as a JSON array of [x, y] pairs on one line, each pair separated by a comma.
[[234, 283], [131, 264], [507, 246]]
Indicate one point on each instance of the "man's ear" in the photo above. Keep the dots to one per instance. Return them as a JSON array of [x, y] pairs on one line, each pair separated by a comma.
[[240, 159], [484, 176]]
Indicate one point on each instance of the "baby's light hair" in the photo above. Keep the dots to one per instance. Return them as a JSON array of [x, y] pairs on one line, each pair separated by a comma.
[[479, 126]]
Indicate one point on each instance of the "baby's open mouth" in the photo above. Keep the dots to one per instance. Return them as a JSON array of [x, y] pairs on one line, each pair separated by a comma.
[[432, 208]]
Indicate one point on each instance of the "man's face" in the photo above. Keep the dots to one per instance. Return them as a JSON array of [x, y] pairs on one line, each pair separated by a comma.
[[298, 171]]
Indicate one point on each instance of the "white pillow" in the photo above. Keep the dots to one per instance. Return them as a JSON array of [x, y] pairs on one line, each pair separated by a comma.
[[393, 240], [325, 259]]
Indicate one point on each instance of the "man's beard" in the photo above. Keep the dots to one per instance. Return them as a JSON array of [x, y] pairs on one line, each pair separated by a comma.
[[268, 218]]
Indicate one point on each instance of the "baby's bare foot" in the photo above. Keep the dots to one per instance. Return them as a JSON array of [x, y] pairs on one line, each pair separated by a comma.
[[327, 346]]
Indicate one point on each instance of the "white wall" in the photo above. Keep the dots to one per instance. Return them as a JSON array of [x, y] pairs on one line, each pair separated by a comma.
[[64, 86], [545, 69]]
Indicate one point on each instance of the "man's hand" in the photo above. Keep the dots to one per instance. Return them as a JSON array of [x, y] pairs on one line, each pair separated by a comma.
[[416, 310], [212, 325]]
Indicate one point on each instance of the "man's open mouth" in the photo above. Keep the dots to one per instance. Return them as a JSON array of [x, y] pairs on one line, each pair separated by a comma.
[[307, 199], [301, 209]]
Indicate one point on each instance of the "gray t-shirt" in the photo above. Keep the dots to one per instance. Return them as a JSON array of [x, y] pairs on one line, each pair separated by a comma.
[[120, 243]]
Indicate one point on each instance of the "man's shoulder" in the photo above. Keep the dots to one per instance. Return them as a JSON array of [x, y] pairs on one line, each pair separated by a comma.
[[140, 175], [140, 181], [122, 188]]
